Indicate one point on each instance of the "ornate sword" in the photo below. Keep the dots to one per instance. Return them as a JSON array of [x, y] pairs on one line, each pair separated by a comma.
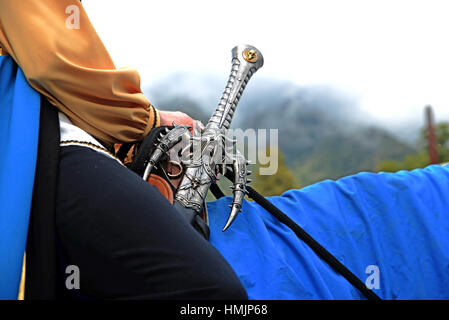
[[211, 154]]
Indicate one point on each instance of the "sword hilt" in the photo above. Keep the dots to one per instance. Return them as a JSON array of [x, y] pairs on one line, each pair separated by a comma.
[[200, 173], [246, 60]]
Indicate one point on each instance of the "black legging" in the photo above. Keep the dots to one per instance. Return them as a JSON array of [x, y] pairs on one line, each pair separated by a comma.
[[127, 240]]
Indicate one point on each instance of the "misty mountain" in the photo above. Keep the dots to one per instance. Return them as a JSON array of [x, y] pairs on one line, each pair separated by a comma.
[[322, 132]]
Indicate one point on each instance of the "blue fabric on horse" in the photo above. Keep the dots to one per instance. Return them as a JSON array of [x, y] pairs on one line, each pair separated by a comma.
[[19, 128], [396, 222]]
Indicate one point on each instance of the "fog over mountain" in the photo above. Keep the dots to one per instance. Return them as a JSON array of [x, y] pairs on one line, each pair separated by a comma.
[[322, 131], [204, 91]]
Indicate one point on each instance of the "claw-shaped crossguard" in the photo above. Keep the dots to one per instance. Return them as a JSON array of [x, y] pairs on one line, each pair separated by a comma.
[[208, 147]]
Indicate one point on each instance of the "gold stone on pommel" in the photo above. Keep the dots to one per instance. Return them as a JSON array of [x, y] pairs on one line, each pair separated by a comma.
[[250, 55]]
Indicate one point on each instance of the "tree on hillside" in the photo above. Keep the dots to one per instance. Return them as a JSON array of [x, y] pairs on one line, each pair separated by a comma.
[[421, 159], [442, 136]]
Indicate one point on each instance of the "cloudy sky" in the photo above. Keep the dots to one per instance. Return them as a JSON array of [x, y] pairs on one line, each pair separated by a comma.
[[392, 55]]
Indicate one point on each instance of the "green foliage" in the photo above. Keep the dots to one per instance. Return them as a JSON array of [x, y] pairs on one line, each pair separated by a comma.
[[421, 158], [274, 185], [410, 162]]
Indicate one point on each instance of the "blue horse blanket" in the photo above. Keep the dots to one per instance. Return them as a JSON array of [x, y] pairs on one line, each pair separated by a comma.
[[390, 229], [393, 226]]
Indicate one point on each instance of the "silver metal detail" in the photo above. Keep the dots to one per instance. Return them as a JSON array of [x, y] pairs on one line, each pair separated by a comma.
[[241, 72], [209, 144]]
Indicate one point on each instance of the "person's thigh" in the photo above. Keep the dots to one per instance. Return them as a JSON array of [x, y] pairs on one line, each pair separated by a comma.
[[128, 241]]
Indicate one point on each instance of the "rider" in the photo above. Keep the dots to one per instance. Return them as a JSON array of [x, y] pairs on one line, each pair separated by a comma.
[[122, 234]]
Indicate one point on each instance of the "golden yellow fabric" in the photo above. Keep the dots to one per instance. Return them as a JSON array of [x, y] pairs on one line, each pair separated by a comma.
[[73, 69], [22, 280]]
